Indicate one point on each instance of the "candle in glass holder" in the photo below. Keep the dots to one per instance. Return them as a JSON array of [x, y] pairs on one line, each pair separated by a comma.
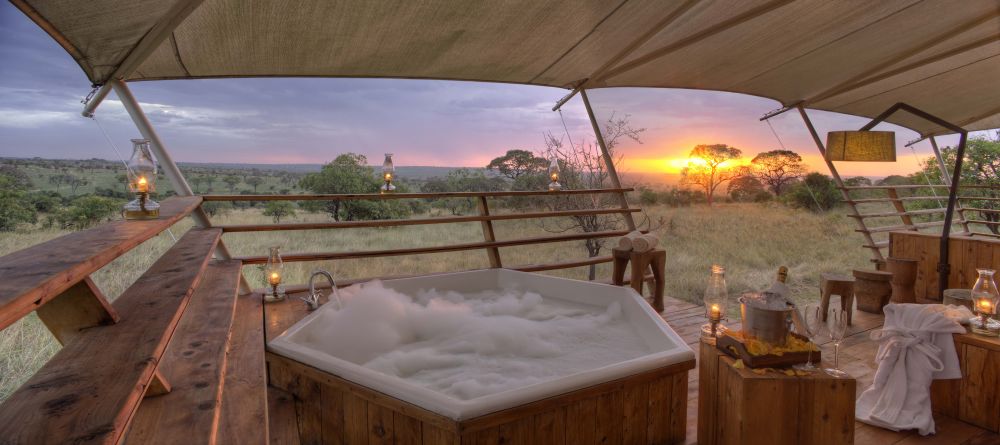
[[715, 312], [985, 306]]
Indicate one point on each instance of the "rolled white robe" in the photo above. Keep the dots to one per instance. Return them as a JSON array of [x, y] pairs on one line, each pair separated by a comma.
[[644, 243], [625, 242]]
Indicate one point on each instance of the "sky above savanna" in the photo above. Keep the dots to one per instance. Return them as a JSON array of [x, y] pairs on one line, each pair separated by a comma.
[[423, 122]]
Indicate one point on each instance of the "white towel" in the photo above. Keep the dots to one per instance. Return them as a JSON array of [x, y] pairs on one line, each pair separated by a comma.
[[915, 347], [625, 242], [644, 243]]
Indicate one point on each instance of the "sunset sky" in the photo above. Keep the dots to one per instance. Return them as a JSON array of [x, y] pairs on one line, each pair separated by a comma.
[[422, 122]]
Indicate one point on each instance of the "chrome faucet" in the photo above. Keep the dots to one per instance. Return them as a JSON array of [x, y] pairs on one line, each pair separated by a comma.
[[312, 301]]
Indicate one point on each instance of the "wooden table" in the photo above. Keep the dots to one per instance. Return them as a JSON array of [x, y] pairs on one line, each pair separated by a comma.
[[739, 406], [975, 398]]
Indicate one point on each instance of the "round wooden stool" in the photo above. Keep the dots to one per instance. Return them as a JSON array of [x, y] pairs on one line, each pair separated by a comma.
[[837, 284]]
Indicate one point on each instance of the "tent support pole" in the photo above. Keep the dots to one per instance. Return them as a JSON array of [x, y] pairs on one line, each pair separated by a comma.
[[946, 178], [876, 252], [170, 168], [608, 160], [943, 267]]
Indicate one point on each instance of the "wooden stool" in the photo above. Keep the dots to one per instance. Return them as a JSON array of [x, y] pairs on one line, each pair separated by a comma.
[[655, 259], [836, 284]]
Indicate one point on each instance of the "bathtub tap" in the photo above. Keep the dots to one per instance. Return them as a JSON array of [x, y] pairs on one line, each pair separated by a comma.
[[312, 301]]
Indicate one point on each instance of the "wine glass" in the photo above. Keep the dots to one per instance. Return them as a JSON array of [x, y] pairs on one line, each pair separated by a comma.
[[812, 319], [836, 322]]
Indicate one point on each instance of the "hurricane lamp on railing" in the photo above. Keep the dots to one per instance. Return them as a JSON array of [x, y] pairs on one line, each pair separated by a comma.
[[388, 173], [273, 270], [554, 184], [142, 182], [716, 300], [985, 298]]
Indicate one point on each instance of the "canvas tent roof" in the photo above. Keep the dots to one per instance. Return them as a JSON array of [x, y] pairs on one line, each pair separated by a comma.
[[856, 57]]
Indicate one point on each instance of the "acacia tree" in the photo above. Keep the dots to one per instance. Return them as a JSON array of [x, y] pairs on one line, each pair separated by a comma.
[[707, 168], [517, 163], [279, 209], [231, 181], [582, 167], [254, 181], [777, 169]]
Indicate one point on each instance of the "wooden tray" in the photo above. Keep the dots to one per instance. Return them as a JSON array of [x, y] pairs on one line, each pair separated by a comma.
[[726, 344]]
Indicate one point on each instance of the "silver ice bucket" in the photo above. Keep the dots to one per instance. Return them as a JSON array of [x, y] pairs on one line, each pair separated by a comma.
[[765, 317]]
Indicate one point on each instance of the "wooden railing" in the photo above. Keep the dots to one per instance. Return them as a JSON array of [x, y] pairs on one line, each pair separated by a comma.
[[490, 244], [933, 217]]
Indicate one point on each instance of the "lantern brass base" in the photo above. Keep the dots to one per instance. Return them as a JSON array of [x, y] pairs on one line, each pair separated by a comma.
[[987, 328]]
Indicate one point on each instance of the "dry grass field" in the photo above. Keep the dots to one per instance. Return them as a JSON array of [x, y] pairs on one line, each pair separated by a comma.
[[750, 240]]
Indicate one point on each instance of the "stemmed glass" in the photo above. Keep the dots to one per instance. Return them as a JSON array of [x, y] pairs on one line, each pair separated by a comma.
[[836, 322], [812, 318]]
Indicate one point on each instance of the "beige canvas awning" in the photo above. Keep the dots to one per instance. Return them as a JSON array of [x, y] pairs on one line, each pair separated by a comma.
[[849, 56]]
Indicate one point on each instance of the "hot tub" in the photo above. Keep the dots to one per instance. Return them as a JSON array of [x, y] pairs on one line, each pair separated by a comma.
[[495, 316]]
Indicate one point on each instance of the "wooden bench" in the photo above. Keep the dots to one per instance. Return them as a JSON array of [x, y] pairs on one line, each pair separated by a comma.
[[215, 363], [39, 274], [90, 390]]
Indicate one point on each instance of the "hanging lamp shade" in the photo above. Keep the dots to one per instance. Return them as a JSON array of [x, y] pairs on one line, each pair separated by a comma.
[[861, 146]]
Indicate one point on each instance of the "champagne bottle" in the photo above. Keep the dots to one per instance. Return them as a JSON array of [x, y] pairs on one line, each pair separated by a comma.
[[779, 287]]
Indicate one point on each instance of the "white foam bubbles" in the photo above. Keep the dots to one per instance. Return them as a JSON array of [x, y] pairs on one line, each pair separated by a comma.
[[472, 345]]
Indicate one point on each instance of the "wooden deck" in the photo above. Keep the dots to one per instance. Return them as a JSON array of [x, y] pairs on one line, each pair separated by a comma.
[[857, 356]]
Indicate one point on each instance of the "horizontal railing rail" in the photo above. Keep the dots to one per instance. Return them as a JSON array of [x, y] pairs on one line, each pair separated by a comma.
[[483, 216], [418, 221], [322, 256], [436, 195], [924, 193]]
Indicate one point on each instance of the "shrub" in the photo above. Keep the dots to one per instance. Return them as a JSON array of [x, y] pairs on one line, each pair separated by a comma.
[[87, 211], [815, 192], [214, 208], [279, 209]]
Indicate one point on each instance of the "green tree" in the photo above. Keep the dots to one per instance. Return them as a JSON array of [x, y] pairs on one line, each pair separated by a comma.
[[747, 189], [279, 209], [349, 173], [231, 181], [981, 166], [87, 211], [517, 163], [777, 168], [15, 208], [254, 181], [708, 167], [815, 192], [75, 183]]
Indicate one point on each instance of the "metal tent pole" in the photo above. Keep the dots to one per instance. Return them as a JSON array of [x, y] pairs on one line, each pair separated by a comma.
[[877, 253], [608, 161], [170, 168], [946, 178]]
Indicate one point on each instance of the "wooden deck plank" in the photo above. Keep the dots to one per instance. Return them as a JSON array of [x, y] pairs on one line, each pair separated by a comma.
[[244, 399], [88, 392], [37, 274], [194, 363]]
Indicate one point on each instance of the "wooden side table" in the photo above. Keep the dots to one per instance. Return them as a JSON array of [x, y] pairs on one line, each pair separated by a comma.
[[655, 259], [739, 406], [975, 398]]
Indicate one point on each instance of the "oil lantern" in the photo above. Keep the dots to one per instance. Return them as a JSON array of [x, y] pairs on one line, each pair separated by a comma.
[[142, 182], [388, 171], [273, 273], [554, 184]]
